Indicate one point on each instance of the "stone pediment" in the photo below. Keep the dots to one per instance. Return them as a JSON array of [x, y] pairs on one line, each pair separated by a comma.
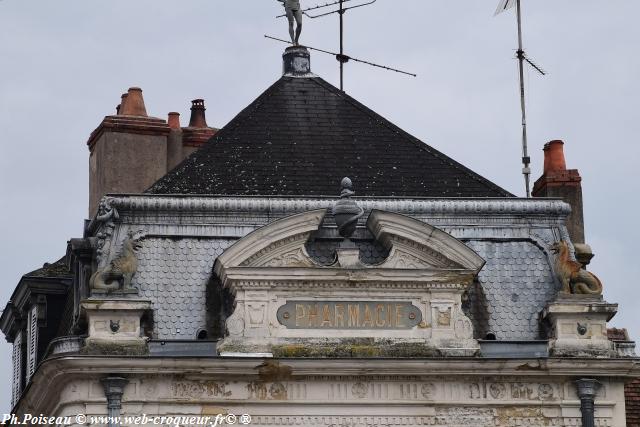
[[285, 301], [413, 246]]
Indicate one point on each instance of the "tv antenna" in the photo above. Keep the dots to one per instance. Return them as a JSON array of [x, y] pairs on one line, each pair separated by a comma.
[[339, 8], [522, 58]]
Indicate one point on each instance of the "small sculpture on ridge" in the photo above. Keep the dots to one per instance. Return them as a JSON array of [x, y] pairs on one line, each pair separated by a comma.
[[294, 12]]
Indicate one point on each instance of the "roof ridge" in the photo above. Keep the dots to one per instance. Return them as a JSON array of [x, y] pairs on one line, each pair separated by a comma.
[[416, 141]]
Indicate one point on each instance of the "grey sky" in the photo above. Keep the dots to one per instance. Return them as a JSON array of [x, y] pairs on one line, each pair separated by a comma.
[[64, 65]]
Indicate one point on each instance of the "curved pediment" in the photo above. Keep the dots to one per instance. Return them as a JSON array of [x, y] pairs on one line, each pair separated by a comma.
[[415, 244], [279, 244], [414, 248]]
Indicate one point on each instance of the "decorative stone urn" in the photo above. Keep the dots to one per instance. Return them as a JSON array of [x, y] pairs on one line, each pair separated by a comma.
[[346, 211]]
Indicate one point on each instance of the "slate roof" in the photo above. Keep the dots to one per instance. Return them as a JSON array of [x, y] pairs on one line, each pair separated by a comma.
[[302, 136], [57, 269], [513, 287], [173, 273]]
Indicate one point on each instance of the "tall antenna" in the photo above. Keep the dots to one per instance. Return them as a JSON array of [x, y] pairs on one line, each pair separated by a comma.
[[522, 58], [340, 10]]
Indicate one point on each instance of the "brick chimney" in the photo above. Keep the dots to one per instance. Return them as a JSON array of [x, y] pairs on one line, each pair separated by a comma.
[[558, 181], [174, 144], [128, 151]]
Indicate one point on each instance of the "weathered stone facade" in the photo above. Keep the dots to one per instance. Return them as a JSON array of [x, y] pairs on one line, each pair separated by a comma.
[[297, 310], [341, 392]]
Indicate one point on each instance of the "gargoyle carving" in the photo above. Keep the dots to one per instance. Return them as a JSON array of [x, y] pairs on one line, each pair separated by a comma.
[[574, 278], [118, 274]]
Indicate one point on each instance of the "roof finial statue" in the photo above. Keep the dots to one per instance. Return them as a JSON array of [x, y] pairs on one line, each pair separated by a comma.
[[346, 211], [294, 11]]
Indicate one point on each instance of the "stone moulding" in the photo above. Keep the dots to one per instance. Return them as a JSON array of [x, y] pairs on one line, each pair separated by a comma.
[[578, 326], [413, 385], [485, 206], [394, 230]]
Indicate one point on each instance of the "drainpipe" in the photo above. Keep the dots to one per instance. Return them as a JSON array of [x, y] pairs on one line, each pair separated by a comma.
[[587, 389], [114, 389]]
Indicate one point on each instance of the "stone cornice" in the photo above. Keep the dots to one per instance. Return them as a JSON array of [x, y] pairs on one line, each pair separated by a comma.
[[462, 207], [300, 367], [55, 372]]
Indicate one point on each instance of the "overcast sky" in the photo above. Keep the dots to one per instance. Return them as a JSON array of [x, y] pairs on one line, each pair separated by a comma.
[[65, 63]]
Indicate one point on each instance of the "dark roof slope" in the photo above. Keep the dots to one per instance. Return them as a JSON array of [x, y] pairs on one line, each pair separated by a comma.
[[57, 269], [302, 136]]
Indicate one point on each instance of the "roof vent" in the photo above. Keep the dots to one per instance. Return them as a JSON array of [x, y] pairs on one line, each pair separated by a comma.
[[296, 61]]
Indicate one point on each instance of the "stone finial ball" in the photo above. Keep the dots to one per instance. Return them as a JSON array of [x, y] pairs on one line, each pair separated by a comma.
[[346, 183]]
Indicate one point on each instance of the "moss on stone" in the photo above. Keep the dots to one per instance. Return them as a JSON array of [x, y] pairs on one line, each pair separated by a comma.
[[360, 348], [112, 348]]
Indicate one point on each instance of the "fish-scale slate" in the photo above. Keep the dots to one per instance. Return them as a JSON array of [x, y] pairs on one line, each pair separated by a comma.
[[514, 286], [173, 274], [324, 251], [302, 136]]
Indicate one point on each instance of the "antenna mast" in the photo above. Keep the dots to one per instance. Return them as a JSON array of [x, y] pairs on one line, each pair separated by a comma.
[[340, 57], [526, 160], [522, 58]]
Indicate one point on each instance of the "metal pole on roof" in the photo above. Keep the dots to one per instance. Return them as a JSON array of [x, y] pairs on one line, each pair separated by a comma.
[[522, 58], [526, 160]]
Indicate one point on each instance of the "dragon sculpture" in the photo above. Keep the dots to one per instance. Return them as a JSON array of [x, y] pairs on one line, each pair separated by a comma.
[[118, 274], [574, 278]]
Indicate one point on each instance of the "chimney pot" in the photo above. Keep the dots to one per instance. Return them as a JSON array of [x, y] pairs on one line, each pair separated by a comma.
[[134, 104], [557, 181], [174, 120], [123, 101], [198, 116], [554, 157]]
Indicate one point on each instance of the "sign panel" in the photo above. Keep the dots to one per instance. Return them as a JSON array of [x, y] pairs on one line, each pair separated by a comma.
[[349, 315]]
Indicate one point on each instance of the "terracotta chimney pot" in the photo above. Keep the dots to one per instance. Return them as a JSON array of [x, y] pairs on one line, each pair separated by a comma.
[[198, 117], [174, 120], [554, 157], [123, 101], [134, 105]]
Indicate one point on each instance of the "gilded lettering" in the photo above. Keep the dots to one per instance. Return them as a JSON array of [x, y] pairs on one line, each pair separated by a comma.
[[326, 316], [367, 316], [339, 316], [349, 314], [300, 314], [380, 321], [354, 315], [399, 316], [313, 315]]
